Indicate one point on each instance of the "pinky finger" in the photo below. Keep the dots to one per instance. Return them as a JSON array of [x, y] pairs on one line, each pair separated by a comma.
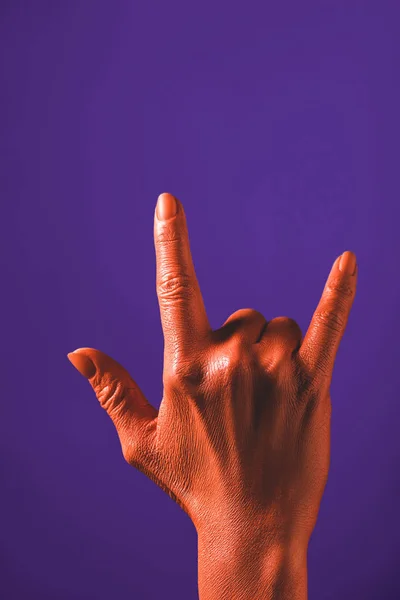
[[321, 343]]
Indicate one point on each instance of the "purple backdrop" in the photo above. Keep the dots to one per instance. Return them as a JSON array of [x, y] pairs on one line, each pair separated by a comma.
[[277, 126]]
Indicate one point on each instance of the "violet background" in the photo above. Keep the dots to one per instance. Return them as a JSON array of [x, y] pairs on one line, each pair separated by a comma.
[[277, 125]]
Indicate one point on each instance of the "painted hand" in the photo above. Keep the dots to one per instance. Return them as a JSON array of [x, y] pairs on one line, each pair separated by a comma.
[[242, 432]]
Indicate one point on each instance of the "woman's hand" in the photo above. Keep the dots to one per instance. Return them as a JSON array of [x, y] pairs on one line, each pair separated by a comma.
[[241, 438]]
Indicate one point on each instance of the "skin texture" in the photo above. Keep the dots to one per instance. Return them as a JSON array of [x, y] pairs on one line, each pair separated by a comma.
[[242, 437]]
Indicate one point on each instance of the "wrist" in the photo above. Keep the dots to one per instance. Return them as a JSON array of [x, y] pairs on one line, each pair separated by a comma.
[[250, 565]]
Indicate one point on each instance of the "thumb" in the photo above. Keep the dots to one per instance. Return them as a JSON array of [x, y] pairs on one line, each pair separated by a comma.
[[135, 419]]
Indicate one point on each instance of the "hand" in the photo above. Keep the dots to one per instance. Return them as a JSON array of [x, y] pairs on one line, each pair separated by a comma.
[[241, 438]]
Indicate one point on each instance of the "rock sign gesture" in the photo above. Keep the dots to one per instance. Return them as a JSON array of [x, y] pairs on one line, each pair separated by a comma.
[[242, 436]]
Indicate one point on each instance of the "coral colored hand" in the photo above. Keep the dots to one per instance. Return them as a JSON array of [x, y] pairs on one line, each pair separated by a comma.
[[242, 432]]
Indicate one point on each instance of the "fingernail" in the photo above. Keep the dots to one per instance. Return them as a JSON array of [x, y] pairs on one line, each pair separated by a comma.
[[348, 263], [83, 364], [166, 207]]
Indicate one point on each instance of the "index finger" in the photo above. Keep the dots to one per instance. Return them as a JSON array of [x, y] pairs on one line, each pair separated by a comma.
[[183, 315], [321, 342]]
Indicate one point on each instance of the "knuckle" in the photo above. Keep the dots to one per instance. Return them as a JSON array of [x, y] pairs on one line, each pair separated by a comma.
[[175, 286], [290, 323], [286, 322], [290, 327], [111, 395], [339, 288], [334, 320], [238, 355], [186, 374], [168, 236], [232, 359]]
